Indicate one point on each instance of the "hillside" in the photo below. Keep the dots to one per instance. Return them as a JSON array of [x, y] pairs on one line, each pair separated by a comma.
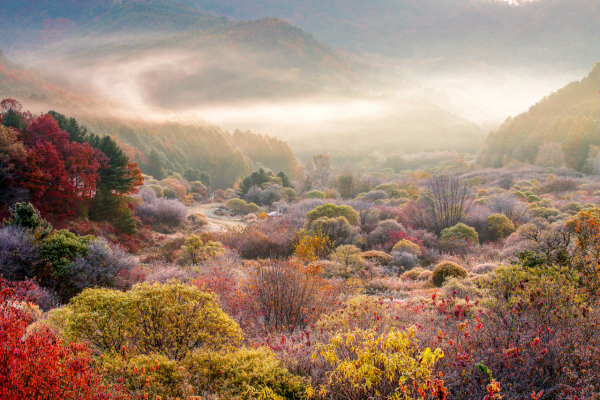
[[545, 31], [570, 116], [265, 59], [224, 156], [17, 81]]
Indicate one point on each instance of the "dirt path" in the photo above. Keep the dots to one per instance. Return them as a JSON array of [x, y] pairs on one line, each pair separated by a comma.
[[201, 208]]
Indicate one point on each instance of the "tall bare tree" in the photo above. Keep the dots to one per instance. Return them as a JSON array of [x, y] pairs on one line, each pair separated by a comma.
[[445, 203]]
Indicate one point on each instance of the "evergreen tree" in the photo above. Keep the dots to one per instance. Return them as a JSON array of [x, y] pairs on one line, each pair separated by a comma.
[[285, 180], [12, 119], [77, 133], [155, 167], [256, 178], [192, 175], [205, 179]]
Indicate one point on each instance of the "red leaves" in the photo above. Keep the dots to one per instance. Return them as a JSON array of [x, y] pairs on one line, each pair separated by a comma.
[[38, 364], [58, 173]]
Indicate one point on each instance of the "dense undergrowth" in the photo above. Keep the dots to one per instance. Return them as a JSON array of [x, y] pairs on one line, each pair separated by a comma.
[[449, 281]]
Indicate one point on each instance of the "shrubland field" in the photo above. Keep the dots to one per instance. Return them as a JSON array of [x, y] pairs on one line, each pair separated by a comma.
[[198, 205]]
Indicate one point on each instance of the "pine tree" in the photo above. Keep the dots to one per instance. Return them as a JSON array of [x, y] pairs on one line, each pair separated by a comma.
[[284, 179], [155, 167]]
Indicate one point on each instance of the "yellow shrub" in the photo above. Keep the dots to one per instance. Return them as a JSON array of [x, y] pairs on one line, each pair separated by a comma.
[[170, 319], [242, 374], [408, 247], [365, 364], [312, 246], [447, 269]]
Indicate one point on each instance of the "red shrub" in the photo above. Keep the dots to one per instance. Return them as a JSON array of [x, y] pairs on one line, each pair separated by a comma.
[[38, 364], [271, 238]]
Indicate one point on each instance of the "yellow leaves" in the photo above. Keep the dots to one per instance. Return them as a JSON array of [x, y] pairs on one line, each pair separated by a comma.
[[195, 250], [312, 246], [365, 362], [169, 319]]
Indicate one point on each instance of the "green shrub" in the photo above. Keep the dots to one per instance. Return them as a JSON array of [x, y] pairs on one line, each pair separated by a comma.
[[520, 195], [543, 212], [240, 207], [414, 273], [61, 248], [388, 188], [447, 269], [350, 260], [242, 374], [333, 211], [236, 206], [571, 208], [532, 198], [198, 187], [400, 194], [170, 319], [158, 190], [460, 231], [289, 193], [499, 226], [589, 206], [194, 250], [482, 193], [28, 217], [170, 193], [315, 194]]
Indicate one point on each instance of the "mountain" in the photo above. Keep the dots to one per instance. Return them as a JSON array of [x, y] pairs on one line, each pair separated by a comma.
[[569, 116], [555, 32], [164, 61]]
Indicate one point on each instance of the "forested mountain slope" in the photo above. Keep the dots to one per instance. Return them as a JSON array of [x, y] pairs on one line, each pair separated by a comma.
[[569, 116]]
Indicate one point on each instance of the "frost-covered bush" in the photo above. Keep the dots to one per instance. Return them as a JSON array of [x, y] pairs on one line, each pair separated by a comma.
[[381, 234], [103, 265], [484, 268], [264, 197], [19, 253], [296, 212], [168, 272], [377, 257], [447, 269], [404, 260], [160, 211]]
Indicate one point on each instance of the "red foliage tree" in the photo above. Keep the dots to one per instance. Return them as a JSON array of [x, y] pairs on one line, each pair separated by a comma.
[[60, 173]]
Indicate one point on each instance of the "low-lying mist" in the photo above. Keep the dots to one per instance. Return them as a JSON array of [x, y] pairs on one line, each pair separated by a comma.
[[438, 110]]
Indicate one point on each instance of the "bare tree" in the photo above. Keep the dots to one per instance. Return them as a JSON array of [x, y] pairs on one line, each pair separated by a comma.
[[445, 203], [322, 172], [508, 205]]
